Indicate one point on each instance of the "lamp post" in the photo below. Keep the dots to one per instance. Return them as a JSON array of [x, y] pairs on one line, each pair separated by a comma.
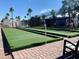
[[45, 26]]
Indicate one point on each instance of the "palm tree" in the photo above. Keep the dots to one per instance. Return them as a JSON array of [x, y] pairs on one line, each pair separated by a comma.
[[11, 11], [2, 20], [7, 14], [53, 13], [18, 18], [25, 17], [6, 17], [63, 13], [29, 12], [45, 26], [27, 21]]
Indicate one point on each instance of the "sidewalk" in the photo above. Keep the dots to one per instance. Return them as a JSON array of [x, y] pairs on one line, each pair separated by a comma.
[[2, 55]]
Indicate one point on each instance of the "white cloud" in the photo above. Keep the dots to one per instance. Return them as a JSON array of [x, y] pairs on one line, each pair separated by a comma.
[[44, 11]]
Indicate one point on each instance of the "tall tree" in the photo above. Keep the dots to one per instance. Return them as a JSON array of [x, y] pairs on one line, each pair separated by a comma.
[[7, 15], [29, 12], [70, 6], [2, 19], [53, 13], [18, 18], [25, 17], [63, 12], [11, 11], [18, 23]]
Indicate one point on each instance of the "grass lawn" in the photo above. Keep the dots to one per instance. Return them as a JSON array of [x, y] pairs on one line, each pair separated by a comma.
[[18, 39], [59, 32], [75, 30]]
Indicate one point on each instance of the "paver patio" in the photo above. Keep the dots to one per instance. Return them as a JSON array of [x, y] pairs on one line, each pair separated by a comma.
[[1, 47], [48, 51]]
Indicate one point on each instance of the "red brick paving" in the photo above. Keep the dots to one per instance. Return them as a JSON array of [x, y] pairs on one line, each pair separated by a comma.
[[2, 54], [42, 52], [1, 48]]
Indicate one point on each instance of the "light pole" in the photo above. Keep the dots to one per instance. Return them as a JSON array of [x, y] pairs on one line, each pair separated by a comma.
[[45, 26]]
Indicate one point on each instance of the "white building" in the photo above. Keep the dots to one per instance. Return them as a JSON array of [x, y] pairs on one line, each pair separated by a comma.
[[8, 23]]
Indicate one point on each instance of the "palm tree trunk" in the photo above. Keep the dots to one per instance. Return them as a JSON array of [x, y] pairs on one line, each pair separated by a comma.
[[12, 18], [69, 19], [30, 17], [45, 27]]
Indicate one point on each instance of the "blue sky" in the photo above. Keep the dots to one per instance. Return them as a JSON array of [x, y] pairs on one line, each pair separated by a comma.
[[21, 6]]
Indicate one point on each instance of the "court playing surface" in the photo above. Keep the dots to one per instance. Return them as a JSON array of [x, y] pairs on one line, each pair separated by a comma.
[[19, 38], [65, 33]]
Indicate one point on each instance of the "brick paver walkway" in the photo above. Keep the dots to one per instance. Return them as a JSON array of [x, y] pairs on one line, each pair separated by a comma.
[[47, 51], [2, 54], [1, 47]]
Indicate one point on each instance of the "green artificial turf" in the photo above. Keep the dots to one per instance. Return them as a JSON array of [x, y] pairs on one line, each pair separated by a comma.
[[18, 38], [66, 33], [75, 30]]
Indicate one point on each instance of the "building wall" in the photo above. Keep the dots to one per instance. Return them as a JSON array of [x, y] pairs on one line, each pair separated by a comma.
[[10, 23]]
